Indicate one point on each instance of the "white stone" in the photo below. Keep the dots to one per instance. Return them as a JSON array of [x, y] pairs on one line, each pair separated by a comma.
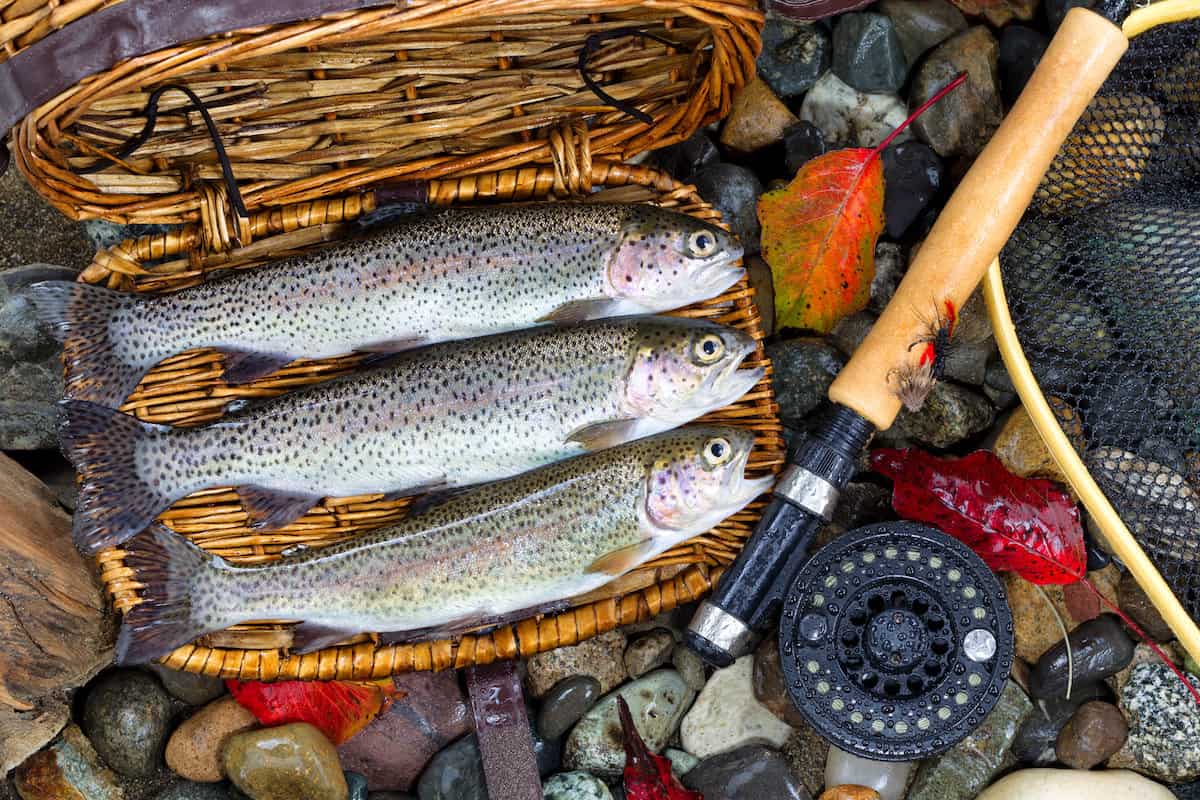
[[656, 702], [850, 118], [889, 778], [727, 715], [1058, 784]]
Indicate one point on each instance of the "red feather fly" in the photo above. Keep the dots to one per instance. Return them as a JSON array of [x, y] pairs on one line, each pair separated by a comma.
[[339, 708], [1027, 526], [647, 776]]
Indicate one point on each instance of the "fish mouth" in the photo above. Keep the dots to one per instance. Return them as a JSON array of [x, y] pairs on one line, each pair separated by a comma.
[[728, 385], [744, 490], [720, 274]]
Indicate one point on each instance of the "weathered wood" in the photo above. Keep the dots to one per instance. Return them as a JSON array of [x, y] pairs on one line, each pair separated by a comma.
[[55, 631]]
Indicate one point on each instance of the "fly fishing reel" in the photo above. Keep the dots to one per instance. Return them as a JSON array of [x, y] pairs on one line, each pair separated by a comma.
[[896, 641]]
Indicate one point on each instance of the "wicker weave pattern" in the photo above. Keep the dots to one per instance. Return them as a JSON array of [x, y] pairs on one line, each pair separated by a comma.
[[187, 389], [326, 107]]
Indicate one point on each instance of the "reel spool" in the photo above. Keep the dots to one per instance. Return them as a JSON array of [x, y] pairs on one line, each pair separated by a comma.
[[896, 641]]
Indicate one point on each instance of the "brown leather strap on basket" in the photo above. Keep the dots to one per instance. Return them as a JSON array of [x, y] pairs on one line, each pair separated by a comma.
[[502, 727], [132, 28]]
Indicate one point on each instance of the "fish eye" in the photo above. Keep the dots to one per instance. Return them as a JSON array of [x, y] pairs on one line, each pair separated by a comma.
[[702, 243], [709, 348], [717, 452]]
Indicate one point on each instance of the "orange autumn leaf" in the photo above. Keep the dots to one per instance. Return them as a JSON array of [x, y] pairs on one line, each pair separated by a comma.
[[339, 709], [818, 236], [819, 232]]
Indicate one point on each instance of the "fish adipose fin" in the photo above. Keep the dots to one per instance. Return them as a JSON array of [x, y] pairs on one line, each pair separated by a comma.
[[602, 435], [78, 315], [594, 308], [243, 367], [165, 564], [269, 508], [618, 562], [477, 623], [115, 502], [310, 636]]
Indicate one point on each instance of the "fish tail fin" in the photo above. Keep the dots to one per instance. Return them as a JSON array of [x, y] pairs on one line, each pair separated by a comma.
[[165, 564], [114, 502], [78, 315]]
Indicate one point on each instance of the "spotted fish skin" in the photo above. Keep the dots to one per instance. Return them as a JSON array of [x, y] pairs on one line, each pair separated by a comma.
[[443, 275], [441, 417], [549, 534]]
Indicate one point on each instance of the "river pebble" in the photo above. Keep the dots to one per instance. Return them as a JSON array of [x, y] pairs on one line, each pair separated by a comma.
[[285, 763], [752, 772], [194, 749], [727, 715], [657, 702], [127, 715]]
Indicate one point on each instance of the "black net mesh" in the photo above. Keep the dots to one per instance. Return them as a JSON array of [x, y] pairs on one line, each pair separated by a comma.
[[1103, 283]]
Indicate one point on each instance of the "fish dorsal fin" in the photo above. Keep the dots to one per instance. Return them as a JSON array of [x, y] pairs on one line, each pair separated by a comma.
[[591, 308], [618, 562], [602, 435], [310, 636], [270, 508], [242, 366]]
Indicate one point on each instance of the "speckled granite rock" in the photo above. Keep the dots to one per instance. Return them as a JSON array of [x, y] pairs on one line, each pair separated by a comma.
[[602, 657], [1164, 725]]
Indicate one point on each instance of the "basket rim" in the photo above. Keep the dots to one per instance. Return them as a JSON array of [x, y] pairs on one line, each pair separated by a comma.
[[724, 57], [671, 584]]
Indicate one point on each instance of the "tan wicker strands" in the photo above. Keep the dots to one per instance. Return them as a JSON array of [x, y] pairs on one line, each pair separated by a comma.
[[327, 107], [187, 389]]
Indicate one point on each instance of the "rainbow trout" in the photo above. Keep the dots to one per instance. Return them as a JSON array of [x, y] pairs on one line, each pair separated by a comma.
[[447, 274], [441, 417], [481, 557]]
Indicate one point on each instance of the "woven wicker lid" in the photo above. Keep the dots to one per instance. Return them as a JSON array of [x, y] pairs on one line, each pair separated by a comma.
[[315, 107]]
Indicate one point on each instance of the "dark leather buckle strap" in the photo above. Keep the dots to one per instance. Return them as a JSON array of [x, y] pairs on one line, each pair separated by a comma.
[[100, 40]]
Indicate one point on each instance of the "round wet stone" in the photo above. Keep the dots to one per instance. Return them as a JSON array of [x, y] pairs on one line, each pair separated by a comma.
[[565, 703]]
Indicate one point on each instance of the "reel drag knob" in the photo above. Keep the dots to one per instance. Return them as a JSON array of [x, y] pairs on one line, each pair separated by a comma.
[[896, 641]]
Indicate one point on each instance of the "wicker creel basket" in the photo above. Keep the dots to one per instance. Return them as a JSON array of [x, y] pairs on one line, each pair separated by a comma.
[[187, 389], [312, 108]]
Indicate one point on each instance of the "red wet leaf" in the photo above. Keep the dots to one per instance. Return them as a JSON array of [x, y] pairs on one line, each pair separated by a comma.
[[339, 708], [1028, 526], [648, 776]]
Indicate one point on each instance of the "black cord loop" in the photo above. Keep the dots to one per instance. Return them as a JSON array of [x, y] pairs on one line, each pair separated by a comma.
[[151, 114]]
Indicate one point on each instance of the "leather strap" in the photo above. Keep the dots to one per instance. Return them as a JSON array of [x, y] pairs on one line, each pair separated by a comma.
[[502, 727], [101, 39]]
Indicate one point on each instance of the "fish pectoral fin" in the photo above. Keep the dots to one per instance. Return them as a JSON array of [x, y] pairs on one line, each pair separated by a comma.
[[602, 435], [618, 562], [310, 636], [591, 308], [242, 366], [271, 508], [393, 345]]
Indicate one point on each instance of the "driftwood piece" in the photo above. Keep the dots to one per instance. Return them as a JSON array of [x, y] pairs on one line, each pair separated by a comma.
[[55, 632]]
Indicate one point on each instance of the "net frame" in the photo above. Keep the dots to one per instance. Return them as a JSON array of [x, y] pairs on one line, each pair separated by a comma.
[[1115, 532]]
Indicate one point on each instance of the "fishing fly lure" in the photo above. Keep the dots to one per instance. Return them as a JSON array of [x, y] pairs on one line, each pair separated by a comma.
[[912, 383]]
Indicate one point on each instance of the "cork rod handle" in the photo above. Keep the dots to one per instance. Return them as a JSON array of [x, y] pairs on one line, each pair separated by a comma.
[[983, 211]]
